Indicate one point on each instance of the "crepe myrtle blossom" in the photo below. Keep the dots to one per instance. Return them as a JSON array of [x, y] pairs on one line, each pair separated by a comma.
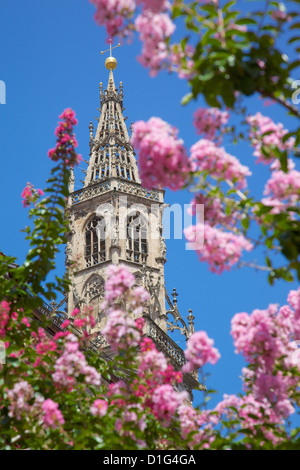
[[214, 213], [154, 5], [252, 413], [206, 156], [4, 316], [208, 121], [165, 402], [30, 194], [114, 15], [154, 30], [121, 330], [282, 189], [220, 249], [52, 416], [99, 407], [266, 133], [200, 351], [66, 141], [281, 15], [163, 159], [119, 281], [265, 338], [71, 364], [180, 60], [19, 398]]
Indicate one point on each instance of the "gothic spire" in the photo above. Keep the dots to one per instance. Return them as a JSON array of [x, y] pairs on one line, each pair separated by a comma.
[[111, 154]]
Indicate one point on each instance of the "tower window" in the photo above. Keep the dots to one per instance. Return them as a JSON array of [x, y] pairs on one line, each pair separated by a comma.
[[95, 243], [137, 247]]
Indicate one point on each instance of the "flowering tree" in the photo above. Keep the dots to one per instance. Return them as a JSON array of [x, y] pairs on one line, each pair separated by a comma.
[[58, 392]]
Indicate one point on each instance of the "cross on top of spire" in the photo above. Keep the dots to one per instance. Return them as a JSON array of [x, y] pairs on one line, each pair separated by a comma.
[[110, 62]]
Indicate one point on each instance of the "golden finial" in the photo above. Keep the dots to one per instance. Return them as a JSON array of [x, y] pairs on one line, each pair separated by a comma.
[[111, 62]]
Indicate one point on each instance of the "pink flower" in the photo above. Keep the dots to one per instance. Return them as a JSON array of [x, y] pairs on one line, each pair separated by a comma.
[[162, 156], [30, 194], [220, 249], [66, 141], [165, 402], [206, 156], [154, 29], [26, 322], [189, 420], [79, 322], [4, 316], [113, 15], [154, 5], [71, 364], [200, 351], [19, 397], [99, 408], [65, 324], [69, 115], [52, 416], [118, 282], [214, 211], [151, 361], [75, 312], [265, 133], [121, 331], [280, 15], [140, 323], [209, 121], [282, 189], [180, 60]]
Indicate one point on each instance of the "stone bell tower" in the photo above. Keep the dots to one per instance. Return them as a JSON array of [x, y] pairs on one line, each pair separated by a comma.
[[113, 219]]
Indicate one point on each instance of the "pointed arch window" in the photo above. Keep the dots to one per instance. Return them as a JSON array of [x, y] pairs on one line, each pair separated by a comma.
[[95, 241], [137, 247]]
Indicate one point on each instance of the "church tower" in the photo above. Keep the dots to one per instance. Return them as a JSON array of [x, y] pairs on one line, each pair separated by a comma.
[[113, 219]]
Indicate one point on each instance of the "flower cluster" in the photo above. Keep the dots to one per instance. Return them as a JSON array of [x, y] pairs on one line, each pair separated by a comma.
[[220, 249], [113, 15], [30, 194], [154, 30], [208, 121], [180, 60], [19, 398], [99, 407], [154, 5], [71, 364], [66, 141], [121, 330], [4, 317], [119, 280], [265, 135], [281, 15], [52, 416], [206, 156], [265, 338], [282, 189], [213, 210], [166, 401], [162, 156], [253, 414], [200, 351]]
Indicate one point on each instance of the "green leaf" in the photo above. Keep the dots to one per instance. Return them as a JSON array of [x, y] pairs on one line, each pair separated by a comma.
[[186, 99]]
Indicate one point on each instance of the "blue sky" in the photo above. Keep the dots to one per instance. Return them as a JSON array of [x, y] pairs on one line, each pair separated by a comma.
[[50, 60]]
